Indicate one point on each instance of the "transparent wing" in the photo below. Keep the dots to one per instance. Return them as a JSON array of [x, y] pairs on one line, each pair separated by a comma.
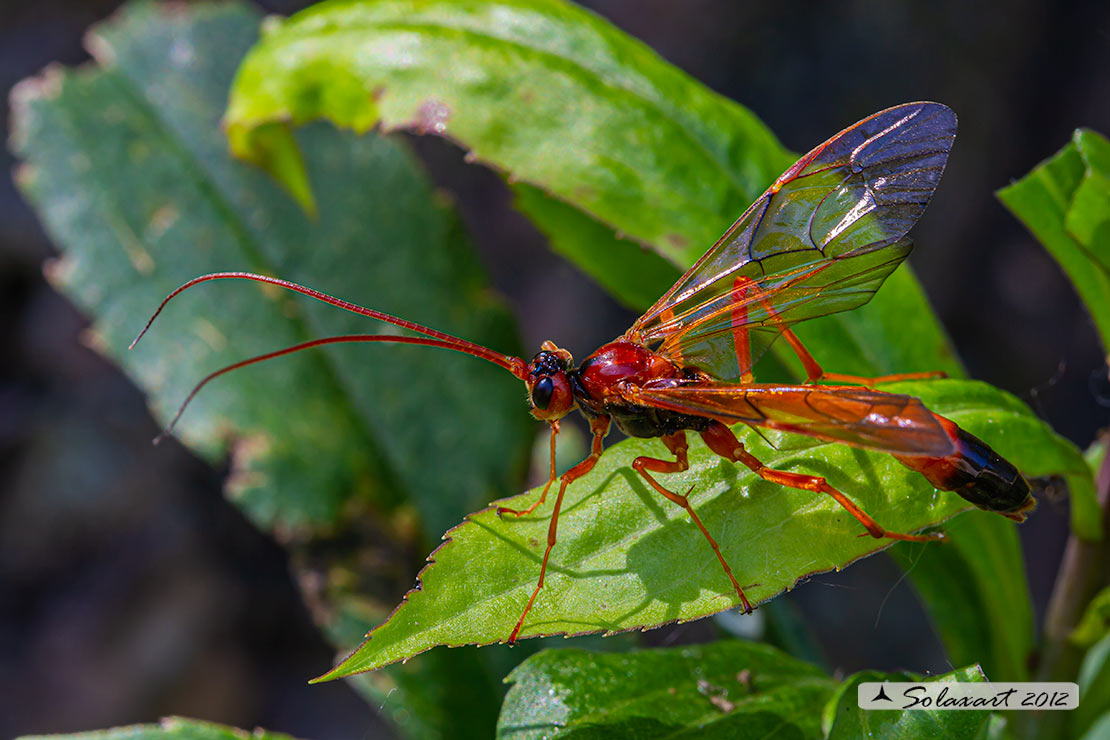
[[820, 240], [862, 417]]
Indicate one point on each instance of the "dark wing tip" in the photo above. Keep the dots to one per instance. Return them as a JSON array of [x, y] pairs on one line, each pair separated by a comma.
[[908, 130], [927, 110]]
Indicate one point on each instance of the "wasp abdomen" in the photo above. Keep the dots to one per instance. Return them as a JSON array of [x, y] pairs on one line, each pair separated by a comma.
[[977, 473]]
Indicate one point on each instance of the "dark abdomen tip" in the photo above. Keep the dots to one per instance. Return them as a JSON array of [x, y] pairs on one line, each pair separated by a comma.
[[986, 479], [977, 473]]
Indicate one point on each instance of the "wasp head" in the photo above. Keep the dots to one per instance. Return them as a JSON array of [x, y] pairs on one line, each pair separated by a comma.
[[549, 391]]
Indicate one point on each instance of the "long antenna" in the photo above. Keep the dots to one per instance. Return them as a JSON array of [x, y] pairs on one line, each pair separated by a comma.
[[426, 341], [515, 365]]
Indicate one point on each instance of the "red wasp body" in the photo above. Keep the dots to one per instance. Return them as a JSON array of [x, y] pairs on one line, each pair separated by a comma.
[[821, 239]]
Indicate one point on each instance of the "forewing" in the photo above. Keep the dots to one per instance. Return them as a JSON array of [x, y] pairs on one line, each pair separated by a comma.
[[820, 240], [862, 417]]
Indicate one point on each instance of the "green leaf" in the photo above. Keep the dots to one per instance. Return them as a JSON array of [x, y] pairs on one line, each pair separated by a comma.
[[1094, 689], [1088, 220], [726, 689], [849, 722], [635, 276], [1065, 202], [1095, 455], [727, 727], [614, 567], [331, 451], [127, 167], [1100, 730], [171, 728], [1095, 623], [543, 90]]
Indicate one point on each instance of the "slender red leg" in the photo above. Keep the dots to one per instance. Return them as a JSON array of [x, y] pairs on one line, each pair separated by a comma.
[[550, 479], [600, 427], [861, 380], [721, 440], [676, 443], [740, 337], [814, 371]]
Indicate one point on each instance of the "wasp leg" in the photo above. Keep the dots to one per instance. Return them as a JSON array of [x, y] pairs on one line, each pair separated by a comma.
[[745, 292], [550, 479], [600, 427], [741, 340], [721, 440], [860, 380], [676, 443]]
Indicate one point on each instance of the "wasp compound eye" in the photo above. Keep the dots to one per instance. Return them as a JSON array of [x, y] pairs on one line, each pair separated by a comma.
[[541, 393]]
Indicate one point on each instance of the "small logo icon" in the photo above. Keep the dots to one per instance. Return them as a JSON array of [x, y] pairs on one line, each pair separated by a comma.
[[882, 695]]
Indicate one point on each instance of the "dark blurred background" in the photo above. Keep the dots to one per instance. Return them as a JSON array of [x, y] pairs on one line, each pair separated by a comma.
[[130, 590]]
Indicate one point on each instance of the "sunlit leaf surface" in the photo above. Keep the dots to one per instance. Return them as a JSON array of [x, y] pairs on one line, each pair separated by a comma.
[[628, 559], [541, 89]]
